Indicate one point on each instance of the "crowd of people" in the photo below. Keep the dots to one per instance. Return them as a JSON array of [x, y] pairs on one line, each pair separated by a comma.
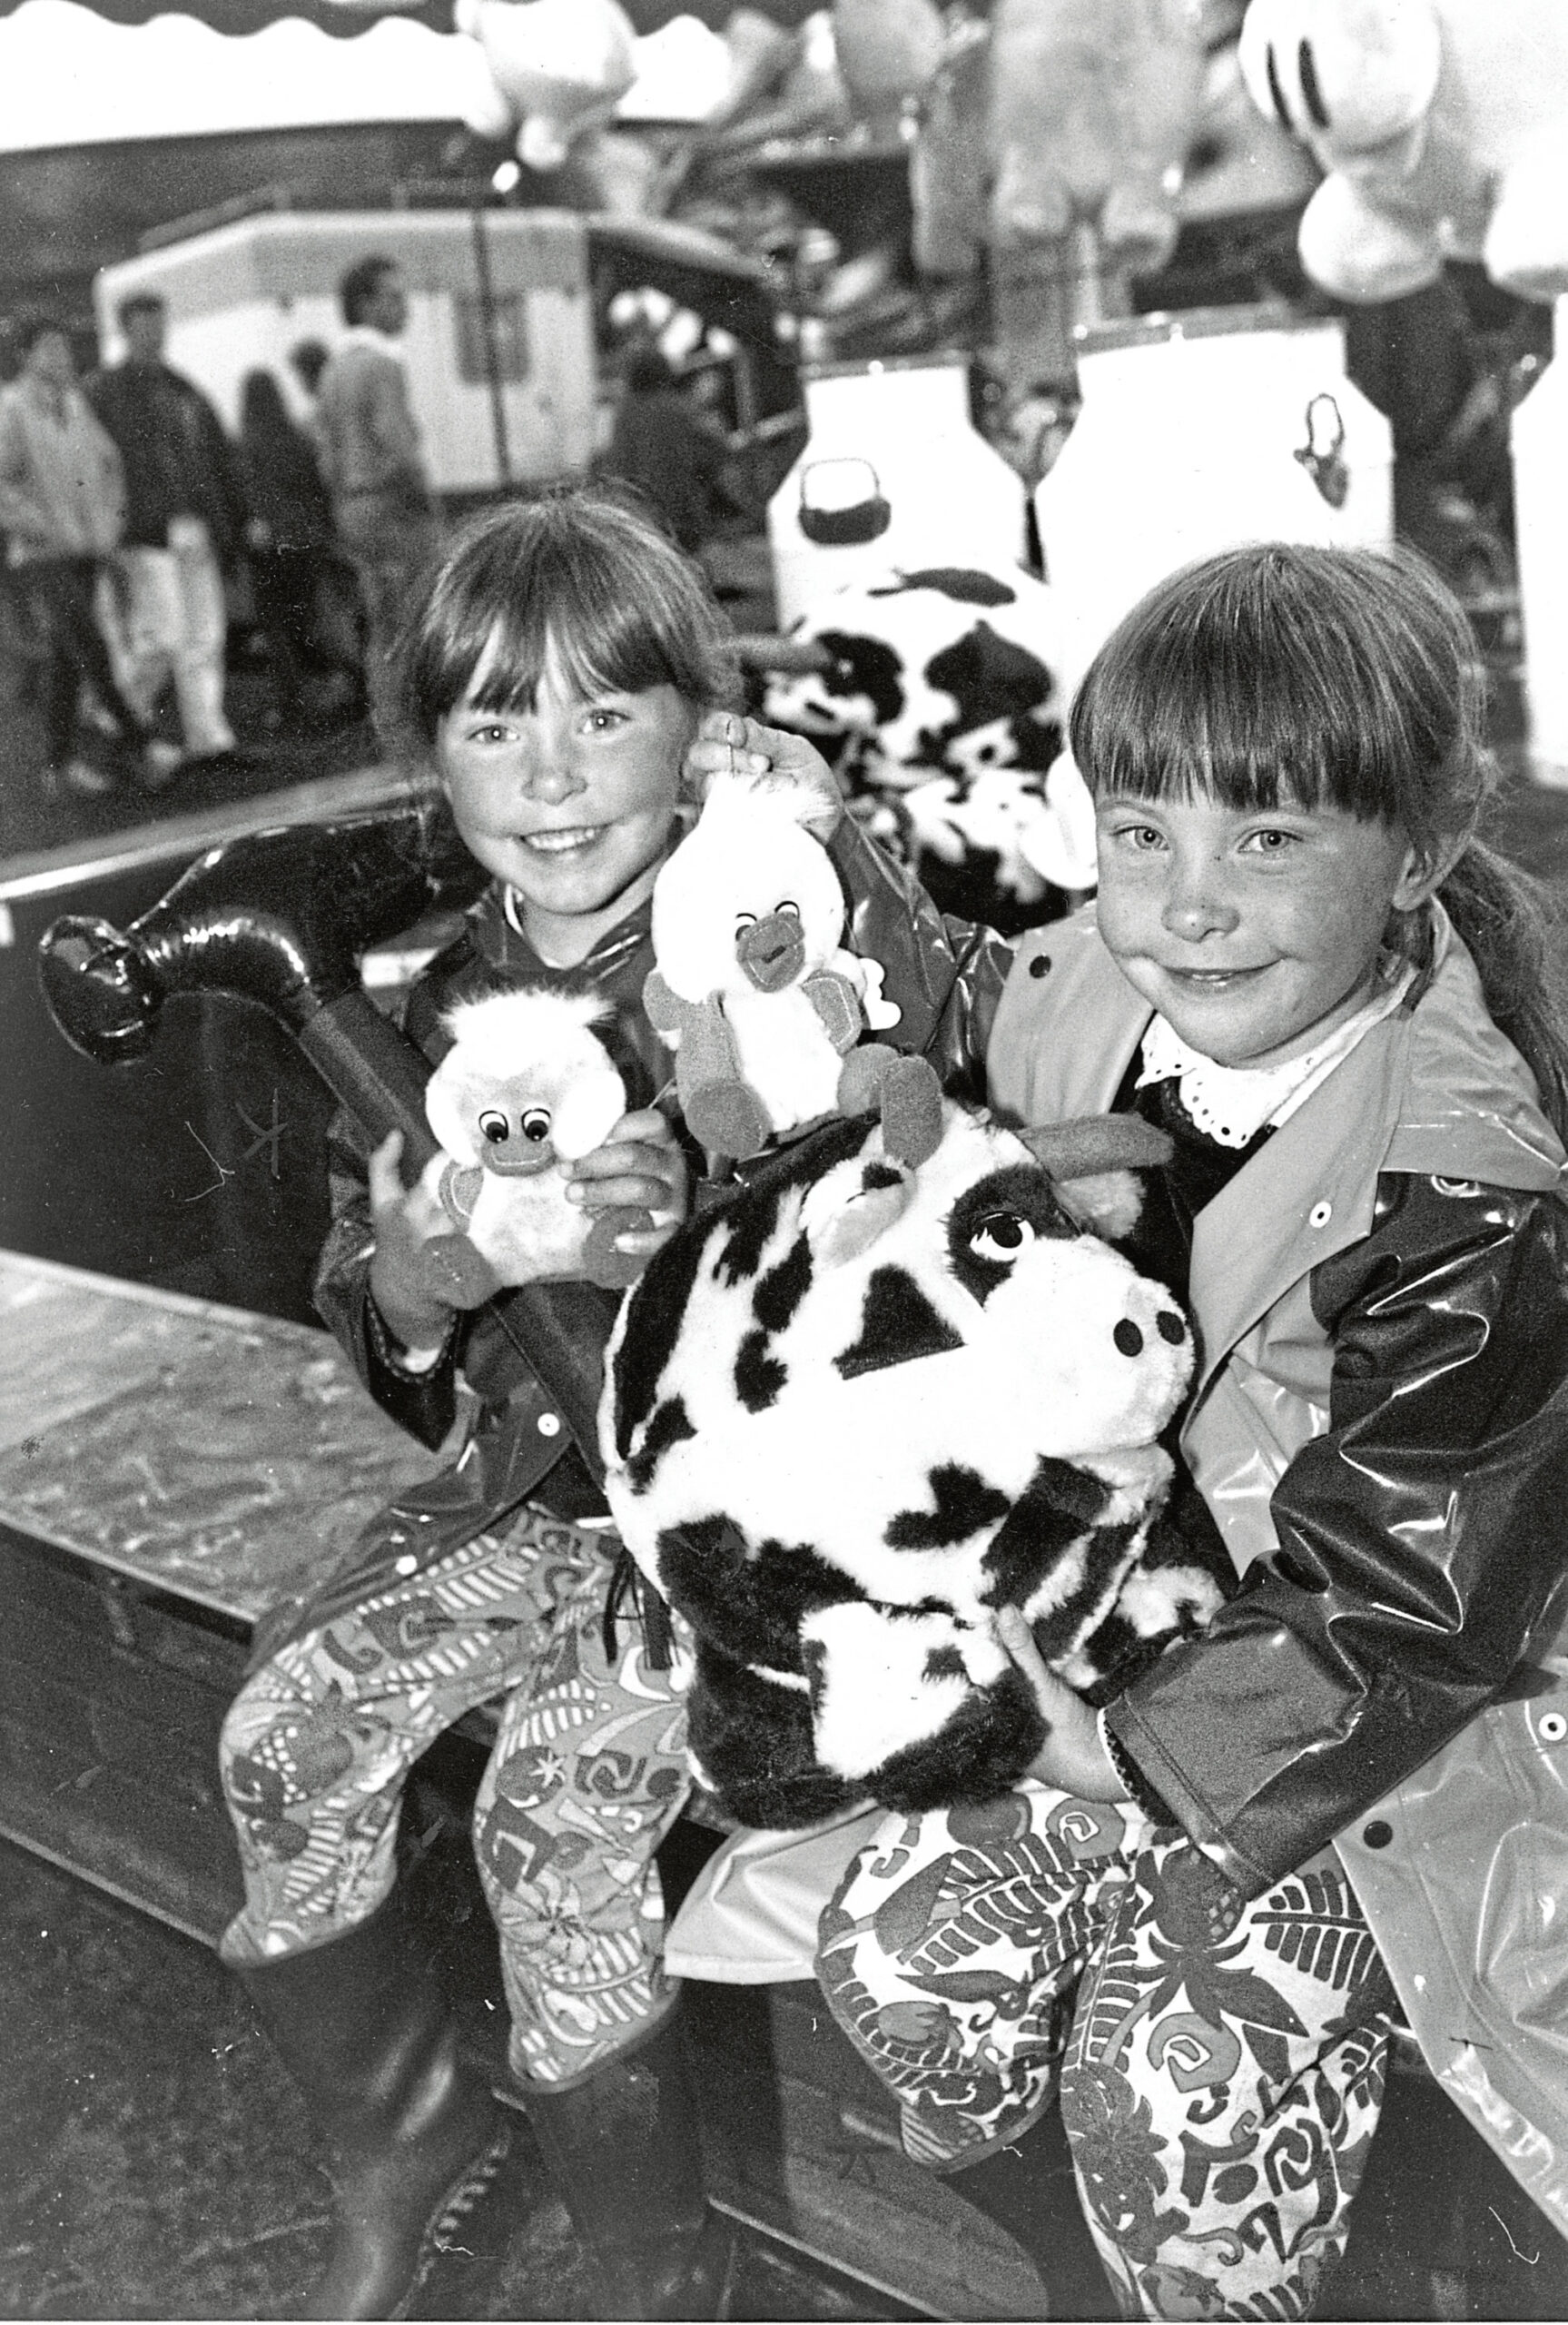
[[133, 520]]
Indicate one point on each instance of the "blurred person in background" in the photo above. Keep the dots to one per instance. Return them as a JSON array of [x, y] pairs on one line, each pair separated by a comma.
[[289, 535], [62, 508], [308, 358], [386, 512], [662, 444], [184, 525]]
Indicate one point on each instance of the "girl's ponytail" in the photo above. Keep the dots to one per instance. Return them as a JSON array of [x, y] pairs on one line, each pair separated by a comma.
[[1514, 930]]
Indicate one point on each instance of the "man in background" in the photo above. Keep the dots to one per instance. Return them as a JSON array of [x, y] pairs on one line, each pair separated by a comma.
[[184, 523], [386, 512], [62, 506]]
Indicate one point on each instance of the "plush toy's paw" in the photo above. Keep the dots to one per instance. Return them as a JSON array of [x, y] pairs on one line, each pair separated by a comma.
[[727, 1118], [903, 1090], [912, 1110], [862, 1076], [602, 1264], [457, 1272]]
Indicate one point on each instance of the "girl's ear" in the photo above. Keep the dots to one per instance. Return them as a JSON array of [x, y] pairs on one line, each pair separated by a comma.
[[1422, 873]]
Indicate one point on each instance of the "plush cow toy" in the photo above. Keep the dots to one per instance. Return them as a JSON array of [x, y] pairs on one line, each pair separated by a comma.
[[856, 1408], [526, 1088], [940, 701], [755, 993]]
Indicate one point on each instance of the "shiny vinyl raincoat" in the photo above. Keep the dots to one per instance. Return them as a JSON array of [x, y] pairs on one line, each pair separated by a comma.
[[1380, 1427]]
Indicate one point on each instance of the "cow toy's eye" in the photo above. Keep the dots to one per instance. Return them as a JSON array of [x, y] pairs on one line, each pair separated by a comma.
[[788, 903], [495, 1127], [999, 1236], [745, 920], [536, 1124]]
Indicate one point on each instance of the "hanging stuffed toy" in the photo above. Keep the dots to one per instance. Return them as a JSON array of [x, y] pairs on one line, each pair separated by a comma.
[[1443, 125], [858, 1408], [526, 1088], [755, 993]]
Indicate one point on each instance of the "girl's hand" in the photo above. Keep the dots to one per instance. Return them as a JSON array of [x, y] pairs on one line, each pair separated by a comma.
[[1073, 1756], [727, 744], [639, 1167], [405, 1221]]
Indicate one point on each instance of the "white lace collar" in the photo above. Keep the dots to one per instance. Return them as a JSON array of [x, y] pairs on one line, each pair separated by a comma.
[[1231, 1103]]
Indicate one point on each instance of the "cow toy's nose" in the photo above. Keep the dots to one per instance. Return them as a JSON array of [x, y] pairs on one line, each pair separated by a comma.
[[771, 952]]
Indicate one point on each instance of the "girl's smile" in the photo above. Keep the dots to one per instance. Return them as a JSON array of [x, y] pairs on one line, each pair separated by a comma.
[[571, 803], [1252, 932]]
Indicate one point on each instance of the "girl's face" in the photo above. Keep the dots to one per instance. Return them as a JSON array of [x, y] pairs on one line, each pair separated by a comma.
[[1254, 933], [570, 803]]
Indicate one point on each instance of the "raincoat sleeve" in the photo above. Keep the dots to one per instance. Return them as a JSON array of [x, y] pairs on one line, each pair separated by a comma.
[[945, 976], [424, 1403], [1419, 1537]]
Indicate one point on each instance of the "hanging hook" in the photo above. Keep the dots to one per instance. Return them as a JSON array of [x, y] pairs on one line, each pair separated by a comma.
[[1322, 455]]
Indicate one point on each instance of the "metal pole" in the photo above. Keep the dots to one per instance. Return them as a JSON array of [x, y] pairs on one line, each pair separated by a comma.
[[492, 354]]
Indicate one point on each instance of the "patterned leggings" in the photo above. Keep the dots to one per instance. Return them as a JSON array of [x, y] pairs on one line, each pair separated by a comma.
[[588, 1774], [1220, 2065]]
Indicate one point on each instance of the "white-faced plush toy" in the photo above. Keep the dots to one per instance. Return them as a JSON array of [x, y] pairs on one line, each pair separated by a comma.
[[755, 993], [527, 1089], [856, 1409], [1443, 125]]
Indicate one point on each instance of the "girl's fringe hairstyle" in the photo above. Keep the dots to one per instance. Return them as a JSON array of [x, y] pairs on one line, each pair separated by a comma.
[[580, 571], [1347, 678]]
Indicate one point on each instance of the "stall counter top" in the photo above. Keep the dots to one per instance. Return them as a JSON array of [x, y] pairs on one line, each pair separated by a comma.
[[221, 1455]]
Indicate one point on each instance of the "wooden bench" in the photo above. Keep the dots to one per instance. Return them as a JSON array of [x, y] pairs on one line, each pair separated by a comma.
[[168, 1468]]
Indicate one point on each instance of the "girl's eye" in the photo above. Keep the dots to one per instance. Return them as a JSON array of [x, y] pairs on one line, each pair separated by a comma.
[[1141, 838], [1269, 843], [605, 722], [491, 732], [495, 1127], [536, 1124], [1000, 1235]]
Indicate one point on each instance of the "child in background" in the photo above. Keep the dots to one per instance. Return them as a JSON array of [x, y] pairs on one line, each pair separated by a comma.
[[1198, 1922], [563, 670]]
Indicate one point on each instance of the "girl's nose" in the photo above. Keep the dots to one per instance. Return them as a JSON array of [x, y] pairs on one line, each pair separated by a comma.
[[1198, 902], [548, 769]]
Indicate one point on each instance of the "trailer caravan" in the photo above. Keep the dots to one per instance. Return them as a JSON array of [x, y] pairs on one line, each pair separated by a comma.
[[499, 343]]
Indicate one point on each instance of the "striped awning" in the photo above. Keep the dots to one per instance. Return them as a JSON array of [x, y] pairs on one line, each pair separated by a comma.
[[84, 75]]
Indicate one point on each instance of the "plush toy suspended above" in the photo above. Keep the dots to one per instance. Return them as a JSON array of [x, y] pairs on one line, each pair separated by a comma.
[[858, 1408], [755, 993], [526, 1088], [1443, 125]]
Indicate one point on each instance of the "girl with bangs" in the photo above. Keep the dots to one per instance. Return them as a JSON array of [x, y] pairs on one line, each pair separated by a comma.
[[566, 673], [1199, 1921]]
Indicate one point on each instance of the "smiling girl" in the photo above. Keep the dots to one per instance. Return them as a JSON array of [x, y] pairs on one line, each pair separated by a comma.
[[1200, 1920], [566, 673]]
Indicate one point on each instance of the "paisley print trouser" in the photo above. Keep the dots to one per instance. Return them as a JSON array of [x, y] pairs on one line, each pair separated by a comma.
[[1220, 2065], [588, 1774]]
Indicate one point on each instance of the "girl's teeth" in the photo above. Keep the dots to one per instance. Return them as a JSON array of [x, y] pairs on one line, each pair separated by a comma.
[[558, 843]]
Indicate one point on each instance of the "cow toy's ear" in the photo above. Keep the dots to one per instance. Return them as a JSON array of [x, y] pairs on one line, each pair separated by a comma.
[[1094, 1163]]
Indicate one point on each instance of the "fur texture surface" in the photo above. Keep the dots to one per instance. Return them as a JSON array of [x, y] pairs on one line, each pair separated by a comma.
[[858, 1407]]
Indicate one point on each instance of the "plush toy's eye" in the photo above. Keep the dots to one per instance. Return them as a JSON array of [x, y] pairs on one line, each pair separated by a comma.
[[745, 920], [788, 903], [999, 1235], [536, 1124], [495, 1127]]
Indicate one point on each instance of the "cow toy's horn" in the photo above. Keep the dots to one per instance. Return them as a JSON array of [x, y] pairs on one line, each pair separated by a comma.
[[1097, 1142]]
